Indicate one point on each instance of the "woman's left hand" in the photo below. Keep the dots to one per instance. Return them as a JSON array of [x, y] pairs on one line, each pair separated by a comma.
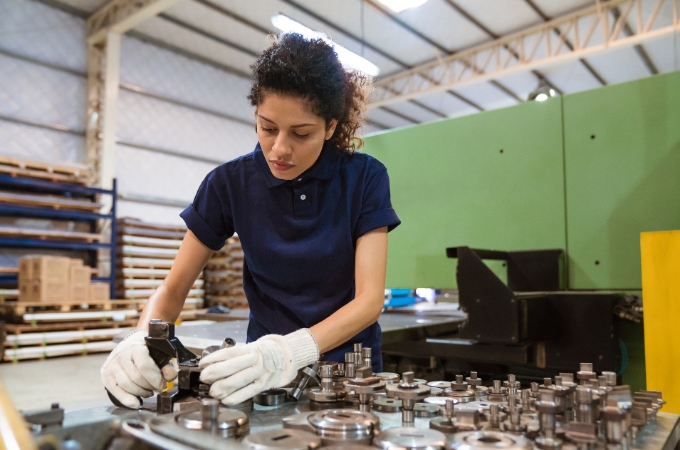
[[239, 373]]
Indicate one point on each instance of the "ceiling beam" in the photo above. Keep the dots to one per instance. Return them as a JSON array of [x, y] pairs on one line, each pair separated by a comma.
[[436, 45], [363, 42], [120, 16], [567, 42], [494, 60], [639, 49], [470, 18]]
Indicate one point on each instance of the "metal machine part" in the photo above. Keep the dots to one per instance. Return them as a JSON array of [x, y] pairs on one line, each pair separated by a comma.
[[340, 426], [586, 373], [367, 356], [358, 357], [614, 424], [584, 435], [440, 401], [363, 385], [410, 438], [513, 421], [468, 420], [547, 409], [299, 421], [585, 407], [45, 418], [487, 440], [445, 424], [388, 377], [439, 384], [350, 365], [409, 392], [303, 380], [214, 419], [388, 405], [282, 439], [460, 390], [498, 393], [227, 343], [271, 397], [426, 410], [327, 392]]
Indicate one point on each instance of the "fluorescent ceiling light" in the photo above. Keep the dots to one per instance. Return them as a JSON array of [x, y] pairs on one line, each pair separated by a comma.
[[401, 5], [347, 58]]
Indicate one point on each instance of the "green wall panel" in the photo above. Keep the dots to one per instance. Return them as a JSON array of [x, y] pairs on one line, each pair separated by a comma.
[[490, 180], [622, 153]]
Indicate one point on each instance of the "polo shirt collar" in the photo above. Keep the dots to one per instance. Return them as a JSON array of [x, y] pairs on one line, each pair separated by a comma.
[[324, 168]]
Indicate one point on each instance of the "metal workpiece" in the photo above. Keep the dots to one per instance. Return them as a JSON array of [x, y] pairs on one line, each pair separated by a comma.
[[420, 381], [585, 406], [610, 377], [494, 416], [467, 420], [547, 383], [488, 440], [446, 423], [387, 405], [614, 424], [525, 400], [460, 390], [340, 426], [439, 401], [226, 343], [409, 392], [473, 380], [327, 392], [367, 356], [567, 378], [498, 393], [586, 373], [218, 420], [364, 384], [304, 375], [547, 409], [638, 418], [513, 420], [283, 440], [388, 377], [584, 435], [350, 364], [410, 439], [426, 410], [358, 357], [299, 421], [271, 397], [439, 384]]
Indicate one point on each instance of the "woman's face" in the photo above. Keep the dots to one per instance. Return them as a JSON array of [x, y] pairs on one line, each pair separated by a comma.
[[290, 134]]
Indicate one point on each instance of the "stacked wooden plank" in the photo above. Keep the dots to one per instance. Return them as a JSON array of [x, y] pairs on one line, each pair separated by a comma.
[[224, 276], [63, 173], [146, 252]]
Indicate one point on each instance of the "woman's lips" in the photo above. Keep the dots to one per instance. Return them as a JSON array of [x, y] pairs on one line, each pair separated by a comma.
[[282, 166]]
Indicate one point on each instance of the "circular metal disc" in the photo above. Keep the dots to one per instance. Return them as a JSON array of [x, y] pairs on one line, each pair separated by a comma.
[[389, 377], [350, 447], [271, 397], [298, 421], [440, 401], [388, 405], [426, 410], [343, 420], [482, 407], [227, 419], [410, 438], [282, 439], [440, 384], [485, 440], [419, 381]]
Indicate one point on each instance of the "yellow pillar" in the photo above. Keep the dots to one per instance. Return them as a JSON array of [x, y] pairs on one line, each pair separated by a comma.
[[661, 301]]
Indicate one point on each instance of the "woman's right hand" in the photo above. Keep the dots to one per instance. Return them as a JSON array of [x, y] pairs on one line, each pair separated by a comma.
[[130, 373]]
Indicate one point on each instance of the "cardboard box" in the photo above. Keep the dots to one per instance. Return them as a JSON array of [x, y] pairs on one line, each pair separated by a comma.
[[51, 268], [80, 293], [25, 291], [80, 275], [100, 292], [50, 291], [26, 268]]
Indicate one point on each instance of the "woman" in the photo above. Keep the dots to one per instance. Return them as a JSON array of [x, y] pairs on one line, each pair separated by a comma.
[[312, 217]]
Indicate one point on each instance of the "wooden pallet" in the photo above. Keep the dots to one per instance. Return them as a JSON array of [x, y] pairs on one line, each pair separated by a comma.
[[8, 294], [128, 230], [147, 283], [19, 308], [148, 242], [147, 263], [69, 169], [146, 252], [15, 171], [59, 337], [16, 329], [49, 201], [137, 273], [49, 234], [126, 221], [139, 294]]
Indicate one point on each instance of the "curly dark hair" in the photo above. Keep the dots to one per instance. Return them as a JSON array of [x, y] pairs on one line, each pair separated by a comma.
[[310, 69]]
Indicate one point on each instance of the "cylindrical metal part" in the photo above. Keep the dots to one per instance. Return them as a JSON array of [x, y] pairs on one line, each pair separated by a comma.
[[209, 410], [367, 355], [610, 377], [584, 405], [449, 408], [494, 416], [350, 365]]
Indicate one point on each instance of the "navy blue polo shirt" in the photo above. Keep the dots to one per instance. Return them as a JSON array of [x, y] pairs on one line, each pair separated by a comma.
[[298, 236]]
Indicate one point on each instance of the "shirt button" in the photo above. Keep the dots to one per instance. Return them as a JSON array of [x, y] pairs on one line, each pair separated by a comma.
[[299, 179], [303, 196]]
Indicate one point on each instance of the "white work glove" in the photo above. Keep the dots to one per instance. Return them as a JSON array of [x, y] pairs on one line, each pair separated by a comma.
[[239, 373], [129, 372]]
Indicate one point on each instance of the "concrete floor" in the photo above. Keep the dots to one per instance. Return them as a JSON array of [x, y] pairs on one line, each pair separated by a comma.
[[71, 381]]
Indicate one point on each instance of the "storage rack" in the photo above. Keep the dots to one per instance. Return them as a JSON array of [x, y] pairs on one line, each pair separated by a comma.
[[69, 190]]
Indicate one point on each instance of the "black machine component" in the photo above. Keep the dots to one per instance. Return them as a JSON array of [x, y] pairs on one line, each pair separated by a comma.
[[529, 322]]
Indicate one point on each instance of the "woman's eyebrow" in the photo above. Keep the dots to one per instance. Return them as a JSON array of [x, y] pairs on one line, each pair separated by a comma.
[[292, 126]]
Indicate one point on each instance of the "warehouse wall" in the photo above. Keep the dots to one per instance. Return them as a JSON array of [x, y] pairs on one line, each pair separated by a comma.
[[619, 147], [42, 62], [178, 117]]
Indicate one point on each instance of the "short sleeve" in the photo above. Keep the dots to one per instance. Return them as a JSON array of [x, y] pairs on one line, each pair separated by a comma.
[[376, 207], [209, 216]]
